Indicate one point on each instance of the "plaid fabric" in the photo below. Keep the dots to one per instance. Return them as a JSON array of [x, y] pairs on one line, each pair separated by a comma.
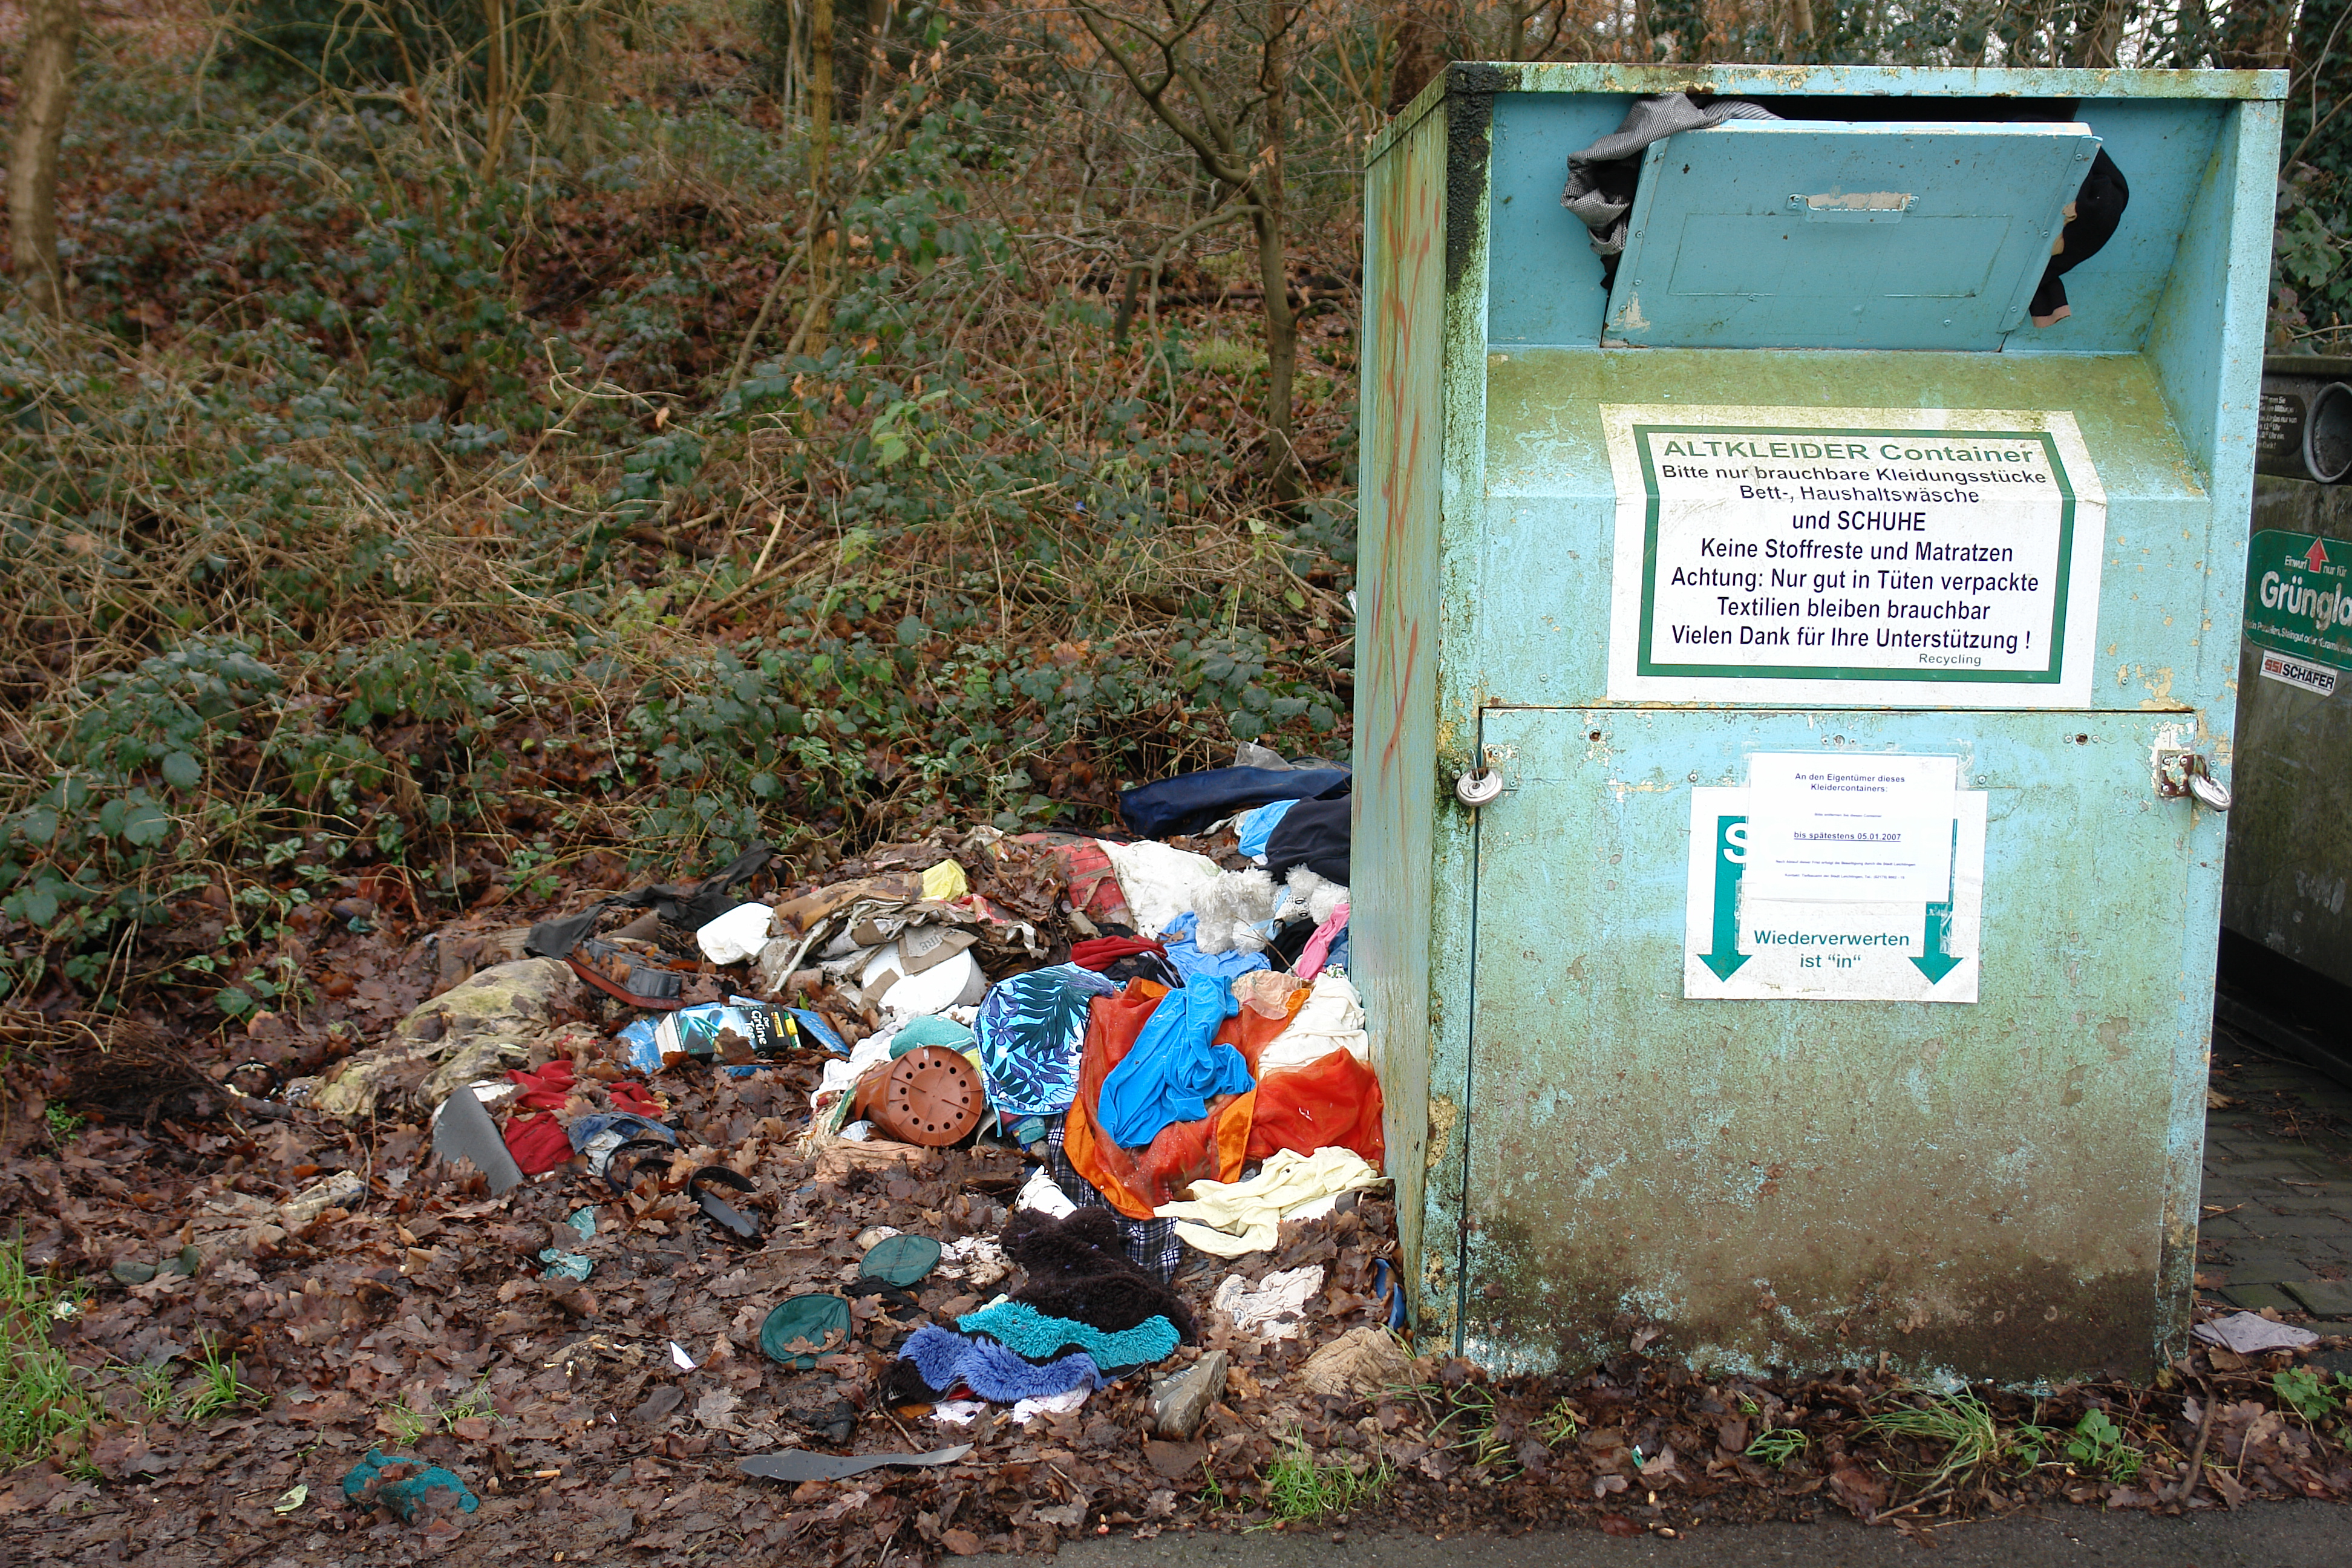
[[1151, 1244]]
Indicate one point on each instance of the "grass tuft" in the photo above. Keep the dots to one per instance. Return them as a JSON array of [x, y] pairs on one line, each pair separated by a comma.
[[1300, 1490], [219, 1385], [42, 1396], [1777, 1446]]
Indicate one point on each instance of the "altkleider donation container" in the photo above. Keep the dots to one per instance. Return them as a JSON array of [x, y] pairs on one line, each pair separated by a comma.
[[1794, 676]]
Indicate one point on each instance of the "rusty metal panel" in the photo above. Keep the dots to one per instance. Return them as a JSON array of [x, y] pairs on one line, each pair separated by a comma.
[[1899, 81], [1977, 1191], [1396, 633]]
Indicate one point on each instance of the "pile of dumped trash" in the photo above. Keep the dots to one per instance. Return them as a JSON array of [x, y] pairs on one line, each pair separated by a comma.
[[1153, 1040]]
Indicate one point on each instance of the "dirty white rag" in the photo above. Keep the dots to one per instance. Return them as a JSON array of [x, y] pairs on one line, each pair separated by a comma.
[[1331, 1019], [2251, 1333], [1274, 1308]]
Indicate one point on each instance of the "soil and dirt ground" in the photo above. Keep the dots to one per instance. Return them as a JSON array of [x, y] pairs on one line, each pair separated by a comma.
[[410, 1315]]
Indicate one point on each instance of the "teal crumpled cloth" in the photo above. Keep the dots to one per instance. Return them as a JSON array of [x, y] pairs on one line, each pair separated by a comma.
[[1022, 1328], [406, 1496]]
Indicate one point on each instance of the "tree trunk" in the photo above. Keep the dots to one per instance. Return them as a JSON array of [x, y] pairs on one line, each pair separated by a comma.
[[878, 58], [1420, 33], [44, 92], [1281, 327], [1801, 29], [578, 79], [498, 89], [2314, 102], [2102, 35], [2255, 36], [820, 161]]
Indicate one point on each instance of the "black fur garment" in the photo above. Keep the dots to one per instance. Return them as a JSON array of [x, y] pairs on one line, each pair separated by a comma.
[[1078, 1268]]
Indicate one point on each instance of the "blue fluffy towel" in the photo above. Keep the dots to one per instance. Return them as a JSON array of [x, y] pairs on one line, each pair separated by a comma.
[[943, 1359]]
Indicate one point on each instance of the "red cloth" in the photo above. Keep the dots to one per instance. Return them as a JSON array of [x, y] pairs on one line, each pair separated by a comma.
[[546, 1089], [1100, 952], [1334, 1099], [537, 1143], [633, 1098], [1092, 885], [1088, 880]]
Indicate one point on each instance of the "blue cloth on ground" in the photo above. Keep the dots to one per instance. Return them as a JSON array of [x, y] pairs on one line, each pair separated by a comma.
[[629, 1124], [1173, 1068], [1184, 954], [1023, 1328], [996, 1371], [1190, 802], [1257, 826], [1031, 1029]]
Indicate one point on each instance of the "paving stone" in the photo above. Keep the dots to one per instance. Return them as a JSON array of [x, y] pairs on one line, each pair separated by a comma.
[[2219, 1226], [2268, 1264], [2323, 1298], [2277, 1227], [2272, 1166], [2255, 1298]]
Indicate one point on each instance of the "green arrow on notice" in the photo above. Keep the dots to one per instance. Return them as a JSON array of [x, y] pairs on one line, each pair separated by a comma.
[[1937, 961], [1730, 854]]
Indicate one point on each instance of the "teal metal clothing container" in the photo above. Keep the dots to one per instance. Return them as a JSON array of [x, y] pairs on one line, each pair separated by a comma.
[[1793, 703]]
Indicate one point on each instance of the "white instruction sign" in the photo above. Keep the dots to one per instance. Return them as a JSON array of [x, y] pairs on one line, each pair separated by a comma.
[[1738, 945], [1858, 556], [1847, 829]]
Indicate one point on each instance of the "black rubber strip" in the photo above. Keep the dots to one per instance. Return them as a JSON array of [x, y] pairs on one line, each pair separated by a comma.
[[727, 1216]]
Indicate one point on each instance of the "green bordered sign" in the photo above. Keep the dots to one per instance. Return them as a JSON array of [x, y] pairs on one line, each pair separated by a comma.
[[2299, 597], [1853, 556]]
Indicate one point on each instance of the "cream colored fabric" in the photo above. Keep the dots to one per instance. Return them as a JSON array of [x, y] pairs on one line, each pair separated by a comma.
[[1227, 1219], [1159, 881], [1332, 1020]]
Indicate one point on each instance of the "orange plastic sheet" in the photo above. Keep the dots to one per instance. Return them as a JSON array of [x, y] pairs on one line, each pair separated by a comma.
[[1137, 1180]]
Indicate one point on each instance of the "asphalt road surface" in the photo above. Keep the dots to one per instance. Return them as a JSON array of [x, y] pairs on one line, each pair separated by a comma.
[[2260, 1535]]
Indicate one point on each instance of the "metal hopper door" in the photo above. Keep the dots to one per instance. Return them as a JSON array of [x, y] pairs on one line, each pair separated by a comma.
[[1811, 1179]]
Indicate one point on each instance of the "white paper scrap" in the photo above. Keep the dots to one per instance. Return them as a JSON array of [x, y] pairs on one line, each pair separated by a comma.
[[1850, 829]]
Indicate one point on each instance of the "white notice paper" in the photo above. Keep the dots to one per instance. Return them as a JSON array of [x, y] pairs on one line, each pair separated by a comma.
[[1862, 557], [1740, 946], [1851, 829]]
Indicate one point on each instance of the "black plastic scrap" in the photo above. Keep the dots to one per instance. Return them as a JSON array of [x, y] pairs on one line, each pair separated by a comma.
[[727, 1216], [800, 1464], [692, 907], [621, 1173], [464, 1130]]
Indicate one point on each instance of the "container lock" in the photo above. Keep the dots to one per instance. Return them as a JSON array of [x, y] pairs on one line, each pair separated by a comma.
[[1478, 786], [2181, 774]]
